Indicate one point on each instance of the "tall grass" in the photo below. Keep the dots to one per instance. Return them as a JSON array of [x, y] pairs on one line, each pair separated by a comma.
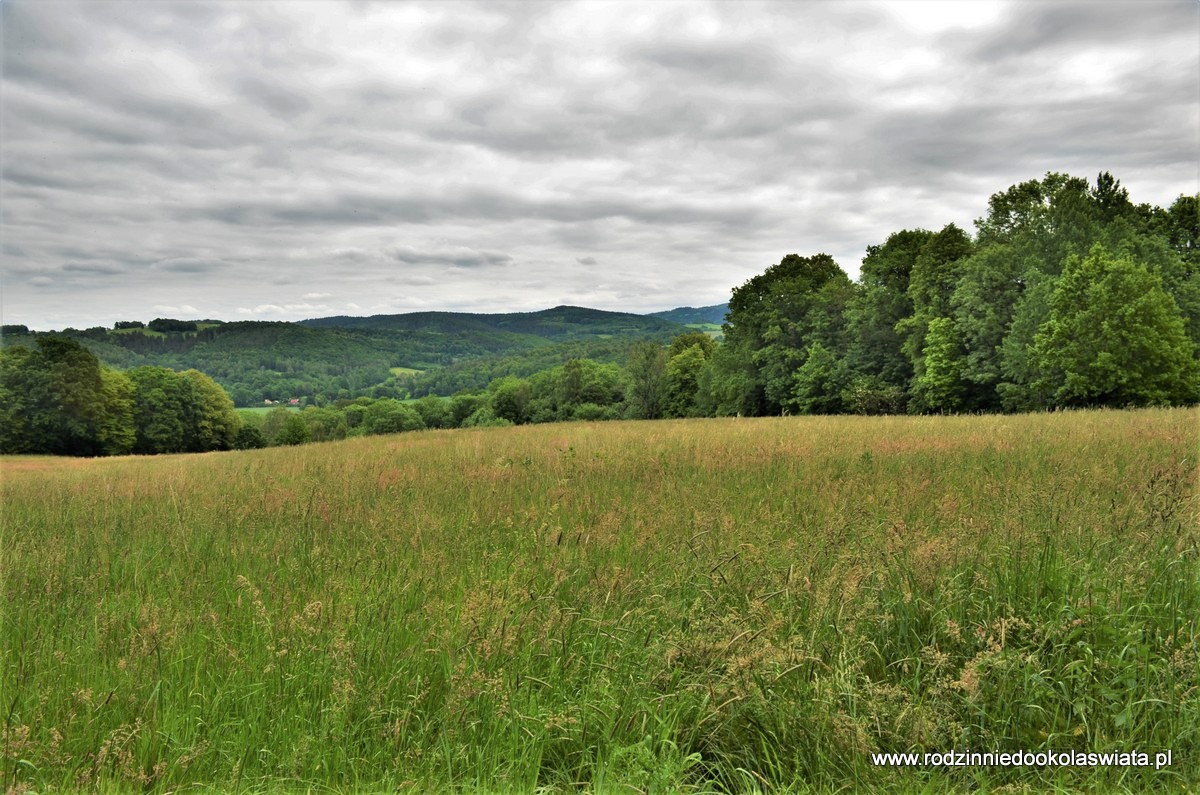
[[740, 605]]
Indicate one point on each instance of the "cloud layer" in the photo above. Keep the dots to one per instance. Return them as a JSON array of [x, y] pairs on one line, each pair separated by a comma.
[[289, 159]]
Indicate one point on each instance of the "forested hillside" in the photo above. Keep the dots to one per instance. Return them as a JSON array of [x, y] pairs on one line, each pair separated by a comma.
[[560, 323], [327, 359], [476, 374], [695, 316]]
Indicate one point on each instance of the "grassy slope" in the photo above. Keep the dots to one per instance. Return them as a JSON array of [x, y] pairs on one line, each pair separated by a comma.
[[714, 603]]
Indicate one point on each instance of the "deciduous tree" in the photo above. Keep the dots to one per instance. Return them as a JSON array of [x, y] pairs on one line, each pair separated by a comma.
[[820, 382], [683, 381], [1115, 337], [212, 422]]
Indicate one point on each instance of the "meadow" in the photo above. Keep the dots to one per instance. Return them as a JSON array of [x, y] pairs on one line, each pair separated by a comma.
[[262, 411], [692, 605]]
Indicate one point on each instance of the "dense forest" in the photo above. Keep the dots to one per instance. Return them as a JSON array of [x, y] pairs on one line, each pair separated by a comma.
[[1067, 295]]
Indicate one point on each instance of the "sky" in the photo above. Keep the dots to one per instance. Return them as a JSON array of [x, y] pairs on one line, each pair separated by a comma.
[[280, 161]]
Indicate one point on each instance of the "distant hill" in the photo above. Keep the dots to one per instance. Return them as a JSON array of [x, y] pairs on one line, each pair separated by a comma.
[[336, 357], [561, 323], [691, 315]]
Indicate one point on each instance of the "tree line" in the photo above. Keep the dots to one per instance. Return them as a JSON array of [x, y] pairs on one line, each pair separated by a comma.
[[57, 398], [1068, 295], [580, 389]]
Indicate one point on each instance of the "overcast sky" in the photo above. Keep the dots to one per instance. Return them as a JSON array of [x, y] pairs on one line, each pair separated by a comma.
[[256, 160]]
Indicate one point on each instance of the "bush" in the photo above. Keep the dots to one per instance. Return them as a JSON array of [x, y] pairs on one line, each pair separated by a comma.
[[484, 417], [293, 432], [592, 411], [435, 412], [391, 416], [249, 438], [871, 396]]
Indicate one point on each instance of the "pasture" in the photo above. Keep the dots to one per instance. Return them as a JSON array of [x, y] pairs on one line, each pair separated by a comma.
[[693, 605], [262, 411]]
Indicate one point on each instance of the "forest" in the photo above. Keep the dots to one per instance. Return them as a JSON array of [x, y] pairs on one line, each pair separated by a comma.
[[1068, 295]]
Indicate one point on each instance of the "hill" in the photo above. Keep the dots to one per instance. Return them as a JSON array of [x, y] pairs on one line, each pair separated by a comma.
[[336, 357], [695, 316], [560, 323]]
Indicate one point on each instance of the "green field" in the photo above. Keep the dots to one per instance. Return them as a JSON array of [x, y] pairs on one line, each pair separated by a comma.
[[264, 410], [145, 332], [405, 371], [701, 605], [714, 330]]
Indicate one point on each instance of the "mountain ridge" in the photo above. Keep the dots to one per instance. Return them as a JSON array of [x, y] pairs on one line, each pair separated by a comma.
[[544, 322]]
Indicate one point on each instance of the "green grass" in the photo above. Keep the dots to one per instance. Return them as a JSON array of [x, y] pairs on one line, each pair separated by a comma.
[[713, 330], [152, 333], [707, 605], [405, 371], [145, 332], [264, 410]]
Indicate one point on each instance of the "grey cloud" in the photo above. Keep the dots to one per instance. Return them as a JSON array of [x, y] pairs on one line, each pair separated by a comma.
[[182, 309], [722, 62], [686, 145], [24, 175], [80, 253], [457, 257], [1064, 25], [417, 281], [280, 100], [34, 41], [189, 265], [351, 255], [92, 268], [359, 209], [281, 309]]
